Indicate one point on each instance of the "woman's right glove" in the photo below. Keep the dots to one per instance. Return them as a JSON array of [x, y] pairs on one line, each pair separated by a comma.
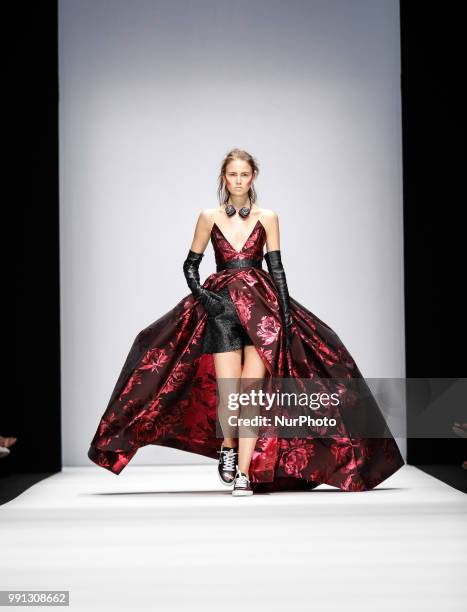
[[210, 300]]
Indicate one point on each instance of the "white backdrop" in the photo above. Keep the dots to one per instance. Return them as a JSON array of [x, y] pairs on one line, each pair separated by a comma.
[[152, 95]]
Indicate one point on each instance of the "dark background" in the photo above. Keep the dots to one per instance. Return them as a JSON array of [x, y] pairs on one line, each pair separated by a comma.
[[432, 50], [33, 413], [433, 133]]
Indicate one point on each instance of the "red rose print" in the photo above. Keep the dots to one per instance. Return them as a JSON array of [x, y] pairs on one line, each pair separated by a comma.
[[268, 329]]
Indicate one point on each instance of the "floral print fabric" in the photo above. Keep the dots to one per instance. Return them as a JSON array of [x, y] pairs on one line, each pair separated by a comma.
[[166, 391]]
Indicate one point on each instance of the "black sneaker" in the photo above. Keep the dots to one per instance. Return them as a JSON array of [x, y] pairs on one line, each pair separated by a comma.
[[241, 484], [228, 458]]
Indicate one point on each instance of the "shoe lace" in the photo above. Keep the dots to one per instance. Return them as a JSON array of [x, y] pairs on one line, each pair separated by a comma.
[[241, 480], [228, 459]]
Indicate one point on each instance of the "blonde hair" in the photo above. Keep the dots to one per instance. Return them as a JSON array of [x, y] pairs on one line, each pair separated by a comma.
[[222, 192]]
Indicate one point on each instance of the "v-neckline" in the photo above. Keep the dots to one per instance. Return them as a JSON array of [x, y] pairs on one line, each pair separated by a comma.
[[244, 244]]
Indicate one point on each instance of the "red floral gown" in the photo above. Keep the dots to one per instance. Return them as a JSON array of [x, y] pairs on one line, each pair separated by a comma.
[[166, 392]]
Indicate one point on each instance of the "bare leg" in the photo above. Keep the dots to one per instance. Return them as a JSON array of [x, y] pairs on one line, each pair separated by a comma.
[[228, 366], [254, 368]]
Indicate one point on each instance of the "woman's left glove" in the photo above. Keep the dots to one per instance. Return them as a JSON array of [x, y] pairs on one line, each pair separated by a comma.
[[276, 270]]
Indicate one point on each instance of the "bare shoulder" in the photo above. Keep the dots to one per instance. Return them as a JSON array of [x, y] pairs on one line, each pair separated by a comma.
[[202, 231], [269, 218], [268, 214], [206, 217]]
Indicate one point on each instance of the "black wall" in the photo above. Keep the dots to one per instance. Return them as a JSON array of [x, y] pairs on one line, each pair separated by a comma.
[[433, 106], [33, 413]]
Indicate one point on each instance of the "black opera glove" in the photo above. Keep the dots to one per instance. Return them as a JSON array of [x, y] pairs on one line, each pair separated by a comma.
[[210, 300], [276, 270]]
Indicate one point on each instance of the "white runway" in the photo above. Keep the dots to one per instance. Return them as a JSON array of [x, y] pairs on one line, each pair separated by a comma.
[[172, 538]]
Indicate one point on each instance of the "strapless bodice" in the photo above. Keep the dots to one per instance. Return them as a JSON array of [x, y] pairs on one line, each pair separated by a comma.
[[252, 249]]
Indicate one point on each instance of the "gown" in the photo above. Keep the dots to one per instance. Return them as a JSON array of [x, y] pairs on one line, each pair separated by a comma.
[[166, 392]]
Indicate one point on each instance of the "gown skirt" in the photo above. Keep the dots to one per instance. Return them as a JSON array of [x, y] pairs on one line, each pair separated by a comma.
[[166, 393]]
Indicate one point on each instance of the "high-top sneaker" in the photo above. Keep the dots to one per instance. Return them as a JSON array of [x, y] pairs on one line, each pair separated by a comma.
[[228, 458], [241, 484]]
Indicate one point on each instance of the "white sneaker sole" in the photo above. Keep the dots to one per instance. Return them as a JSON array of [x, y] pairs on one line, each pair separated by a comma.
[[240, 493]]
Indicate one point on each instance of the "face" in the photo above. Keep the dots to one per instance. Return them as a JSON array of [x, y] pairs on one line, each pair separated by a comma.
[[238, 177]]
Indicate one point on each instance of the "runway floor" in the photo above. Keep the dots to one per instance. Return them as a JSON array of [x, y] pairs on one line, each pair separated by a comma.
[[174, 538]]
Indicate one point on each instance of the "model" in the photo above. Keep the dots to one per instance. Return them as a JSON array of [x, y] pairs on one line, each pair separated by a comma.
[[241, 324]]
